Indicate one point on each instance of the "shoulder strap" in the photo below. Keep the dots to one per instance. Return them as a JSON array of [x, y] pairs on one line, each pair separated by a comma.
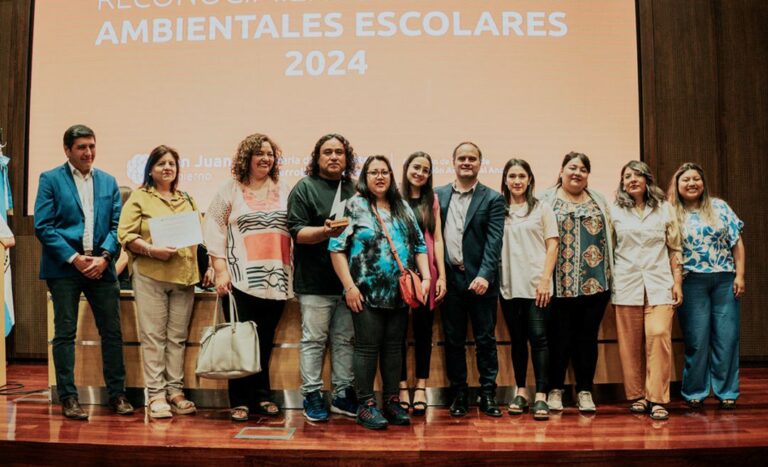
[[189, 200], [389, 239]]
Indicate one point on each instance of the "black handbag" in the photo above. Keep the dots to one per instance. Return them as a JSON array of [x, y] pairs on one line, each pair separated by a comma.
[[202, 251]]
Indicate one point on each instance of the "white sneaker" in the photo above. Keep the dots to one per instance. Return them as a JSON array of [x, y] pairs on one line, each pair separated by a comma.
[[586, 404], [555, 399]]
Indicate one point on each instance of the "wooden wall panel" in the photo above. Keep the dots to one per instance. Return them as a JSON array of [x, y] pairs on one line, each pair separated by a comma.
[[704, 78], [743, 91]]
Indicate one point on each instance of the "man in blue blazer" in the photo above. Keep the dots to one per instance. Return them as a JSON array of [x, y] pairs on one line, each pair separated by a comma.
[[473, 226], [76, 214]]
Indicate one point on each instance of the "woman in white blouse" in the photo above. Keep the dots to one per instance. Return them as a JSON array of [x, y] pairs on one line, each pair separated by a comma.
[[247, 237], [528, 257], [647, 287]]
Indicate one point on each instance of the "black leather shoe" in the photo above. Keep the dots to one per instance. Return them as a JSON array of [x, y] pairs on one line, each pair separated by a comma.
[[120, 405], [459, 405], [70, 408], [489, 406]]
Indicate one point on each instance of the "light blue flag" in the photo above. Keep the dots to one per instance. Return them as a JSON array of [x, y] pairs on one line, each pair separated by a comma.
[[6, 203]]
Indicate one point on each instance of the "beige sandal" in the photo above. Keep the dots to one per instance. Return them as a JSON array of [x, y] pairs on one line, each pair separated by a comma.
[[159, 408], [181, 405]]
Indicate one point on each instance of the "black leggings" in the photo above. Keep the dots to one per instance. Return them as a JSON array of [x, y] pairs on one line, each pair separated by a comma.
[[525, 322], [421, 318], [251, 390], [573, 327]]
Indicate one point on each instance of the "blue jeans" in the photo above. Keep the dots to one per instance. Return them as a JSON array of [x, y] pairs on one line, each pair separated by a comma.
[[379, 336], [104, 298], [321, 316], [710, 320]]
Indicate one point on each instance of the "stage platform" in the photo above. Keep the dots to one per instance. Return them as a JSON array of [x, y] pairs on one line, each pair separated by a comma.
[[33, 432]]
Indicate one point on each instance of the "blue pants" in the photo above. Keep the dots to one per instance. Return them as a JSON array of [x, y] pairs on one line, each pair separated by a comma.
[[710, 319]]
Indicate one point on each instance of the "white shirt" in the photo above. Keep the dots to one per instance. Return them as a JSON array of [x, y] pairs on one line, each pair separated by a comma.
[[524, 249], [84, 184], [641, 258]]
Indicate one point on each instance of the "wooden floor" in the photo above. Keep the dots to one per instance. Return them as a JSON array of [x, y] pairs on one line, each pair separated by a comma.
[[32, 432]]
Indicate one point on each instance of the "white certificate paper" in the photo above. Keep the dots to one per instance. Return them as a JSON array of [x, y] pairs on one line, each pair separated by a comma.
[[177, 230]]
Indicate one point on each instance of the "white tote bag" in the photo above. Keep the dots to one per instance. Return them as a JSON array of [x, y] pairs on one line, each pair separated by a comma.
[[229, 350]]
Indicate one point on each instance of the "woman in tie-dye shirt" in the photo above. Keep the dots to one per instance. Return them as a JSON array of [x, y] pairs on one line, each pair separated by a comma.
[[366, 266]]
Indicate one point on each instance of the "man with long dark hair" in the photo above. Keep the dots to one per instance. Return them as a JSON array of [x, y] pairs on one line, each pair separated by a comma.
[[315, 203]]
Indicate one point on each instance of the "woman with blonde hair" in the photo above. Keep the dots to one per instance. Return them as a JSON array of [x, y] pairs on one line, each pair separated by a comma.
[[713, 284]]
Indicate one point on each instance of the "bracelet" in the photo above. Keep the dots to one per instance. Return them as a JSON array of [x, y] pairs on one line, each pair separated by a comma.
[[349, 288], [147, 251]]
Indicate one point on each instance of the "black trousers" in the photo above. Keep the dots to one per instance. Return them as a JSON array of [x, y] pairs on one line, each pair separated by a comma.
[[527, 322], [573, 327], [459, 307], [421, 319], [378, 340], [251, 390]]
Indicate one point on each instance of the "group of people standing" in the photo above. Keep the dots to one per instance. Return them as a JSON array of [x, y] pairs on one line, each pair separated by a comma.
[[339, 245]]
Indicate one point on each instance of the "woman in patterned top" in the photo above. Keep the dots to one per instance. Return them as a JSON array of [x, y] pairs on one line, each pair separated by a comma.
[[366, 266], [582, 280], [247, 236], [713, 284]]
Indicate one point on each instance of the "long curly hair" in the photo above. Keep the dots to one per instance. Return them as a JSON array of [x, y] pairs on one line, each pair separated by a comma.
[[241, 162]]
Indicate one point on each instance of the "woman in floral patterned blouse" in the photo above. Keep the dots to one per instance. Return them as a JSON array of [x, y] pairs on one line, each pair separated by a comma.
[[582, 280], [713, 267]]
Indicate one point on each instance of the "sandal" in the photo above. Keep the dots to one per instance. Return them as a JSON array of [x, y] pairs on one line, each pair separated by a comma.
[[695, 404], [518, 405], [658, 412], [419, 407], [239, 413], [728, 404], [181, 405], [540, 410], [159, 408], [268, 408], [405, 402], [639, 406]]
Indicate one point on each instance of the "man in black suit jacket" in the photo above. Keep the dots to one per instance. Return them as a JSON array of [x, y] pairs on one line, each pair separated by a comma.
[[473, 225]]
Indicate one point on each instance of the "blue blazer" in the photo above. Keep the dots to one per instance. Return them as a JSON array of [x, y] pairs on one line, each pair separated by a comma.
[[59, 221], [483, 236]]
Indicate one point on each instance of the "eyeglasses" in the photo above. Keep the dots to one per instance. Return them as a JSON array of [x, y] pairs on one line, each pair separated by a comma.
[[378, 173]]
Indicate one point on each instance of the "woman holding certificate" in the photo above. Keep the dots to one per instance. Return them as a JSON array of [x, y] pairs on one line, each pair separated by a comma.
[[164, 279], [247, 236]]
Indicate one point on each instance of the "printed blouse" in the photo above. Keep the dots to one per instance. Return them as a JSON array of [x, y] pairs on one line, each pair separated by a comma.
[[252, 235], [583, 265], [371, 263], [707, 248]]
